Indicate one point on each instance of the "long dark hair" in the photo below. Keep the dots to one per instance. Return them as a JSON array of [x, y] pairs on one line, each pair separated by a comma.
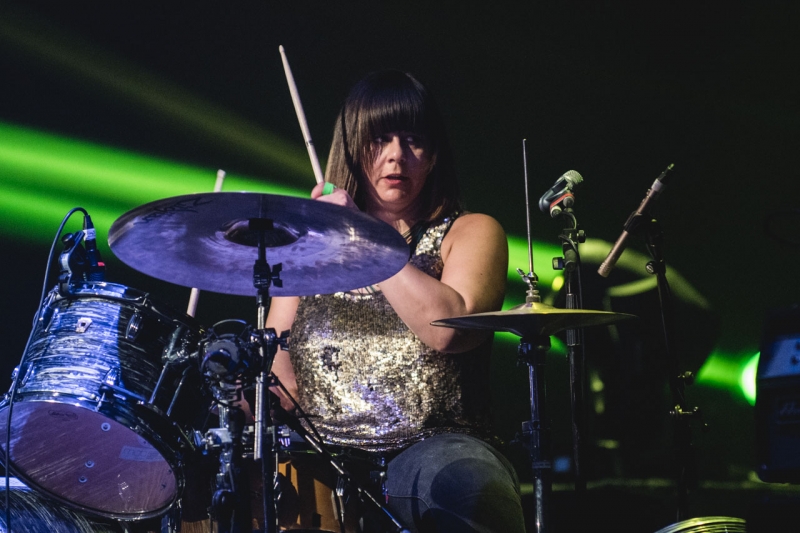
[[383, 102]]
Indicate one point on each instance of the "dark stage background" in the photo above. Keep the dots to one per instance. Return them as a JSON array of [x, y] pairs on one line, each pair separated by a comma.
[[614, 90]]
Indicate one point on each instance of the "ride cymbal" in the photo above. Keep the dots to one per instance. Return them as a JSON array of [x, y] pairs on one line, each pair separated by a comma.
[[210, 241]]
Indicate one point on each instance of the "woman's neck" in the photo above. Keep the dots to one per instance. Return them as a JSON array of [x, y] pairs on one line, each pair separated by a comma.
[[402, 221]]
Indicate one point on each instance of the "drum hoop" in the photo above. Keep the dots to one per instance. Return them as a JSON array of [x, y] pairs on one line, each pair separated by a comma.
[[127, 295]]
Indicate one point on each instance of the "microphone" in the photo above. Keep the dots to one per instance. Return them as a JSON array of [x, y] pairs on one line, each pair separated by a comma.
[[561, 191], [616, 251], [97, 268]]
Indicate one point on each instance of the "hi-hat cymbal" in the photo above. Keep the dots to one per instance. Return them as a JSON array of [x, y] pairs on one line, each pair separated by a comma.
[[210, 241], [534, 319]]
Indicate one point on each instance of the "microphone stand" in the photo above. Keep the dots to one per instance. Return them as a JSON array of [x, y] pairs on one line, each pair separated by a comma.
[[686, 466], [641, 220], [570, 236]]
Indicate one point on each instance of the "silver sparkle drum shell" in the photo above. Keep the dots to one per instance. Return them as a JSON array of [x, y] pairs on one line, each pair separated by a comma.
[[106, 402], [707, 524]]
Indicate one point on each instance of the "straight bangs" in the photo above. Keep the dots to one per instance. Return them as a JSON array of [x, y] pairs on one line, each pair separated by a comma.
[[395, 112]]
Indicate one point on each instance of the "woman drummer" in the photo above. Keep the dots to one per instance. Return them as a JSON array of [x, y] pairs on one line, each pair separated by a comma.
[[367, 365]]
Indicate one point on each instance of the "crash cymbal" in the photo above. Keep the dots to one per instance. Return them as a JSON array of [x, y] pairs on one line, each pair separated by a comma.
[[532, 319], [210, 241]]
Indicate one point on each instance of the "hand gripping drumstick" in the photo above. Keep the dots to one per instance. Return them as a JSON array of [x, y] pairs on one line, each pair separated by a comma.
[[195, 294], [301, 117]]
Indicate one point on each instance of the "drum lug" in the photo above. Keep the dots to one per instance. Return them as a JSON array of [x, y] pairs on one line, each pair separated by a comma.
[[132, 331], [175, 350], [111, 383], [48, 317], [29, 373], [111, 378]]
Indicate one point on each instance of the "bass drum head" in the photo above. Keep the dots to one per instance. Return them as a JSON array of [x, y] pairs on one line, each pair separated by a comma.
[[32, 513], [88, 460], [707, 524]]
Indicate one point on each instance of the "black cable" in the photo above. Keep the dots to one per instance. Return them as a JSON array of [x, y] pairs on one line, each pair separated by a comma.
[[14, 382]]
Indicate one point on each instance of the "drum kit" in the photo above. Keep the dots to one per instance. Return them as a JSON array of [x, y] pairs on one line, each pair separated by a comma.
[[107, 405], [110, 406]]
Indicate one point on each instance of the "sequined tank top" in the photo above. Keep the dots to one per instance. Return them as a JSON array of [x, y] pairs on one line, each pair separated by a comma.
[[370, 383]]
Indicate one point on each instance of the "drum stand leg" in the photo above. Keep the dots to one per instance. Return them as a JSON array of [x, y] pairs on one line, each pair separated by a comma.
[[537, 430]]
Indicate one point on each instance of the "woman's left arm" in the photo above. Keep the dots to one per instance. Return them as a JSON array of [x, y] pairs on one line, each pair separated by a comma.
[[475, 256]]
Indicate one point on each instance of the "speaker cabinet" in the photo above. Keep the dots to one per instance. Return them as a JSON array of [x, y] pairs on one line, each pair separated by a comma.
[[778, 398]]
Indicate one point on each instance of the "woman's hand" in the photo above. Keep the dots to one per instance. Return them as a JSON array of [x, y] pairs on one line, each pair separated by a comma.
[[336, 197]]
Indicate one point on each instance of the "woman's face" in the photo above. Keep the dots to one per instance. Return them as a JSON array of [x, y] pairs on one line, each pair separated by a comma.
[[401, 164]]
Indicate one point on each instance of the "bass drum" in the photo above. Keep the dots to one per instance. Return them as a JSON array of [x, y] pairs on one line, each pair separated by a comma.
[[32, 513], [107, 399], [307, 484], [708, 524]]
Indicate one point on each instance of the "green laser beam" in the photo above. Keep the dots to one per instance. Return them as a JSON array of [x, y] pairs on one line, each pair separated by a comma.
[[43, 176], [99, 71]]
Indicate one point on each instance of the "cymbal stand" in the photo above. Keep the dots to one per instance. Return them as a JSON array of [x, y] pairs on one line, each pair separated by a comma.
[[532, 351], [230, 363], [265, 438], [571, 265]]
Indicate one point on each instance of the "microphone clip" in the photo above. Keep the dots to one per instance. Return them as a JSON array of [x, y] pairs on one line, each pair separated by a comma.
[[562, 203], [73, 261]]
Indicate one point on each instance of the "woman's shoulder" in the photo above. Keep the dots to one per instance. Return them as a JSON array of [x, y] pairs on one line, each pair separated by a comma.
[[477, 232], [469, 224]]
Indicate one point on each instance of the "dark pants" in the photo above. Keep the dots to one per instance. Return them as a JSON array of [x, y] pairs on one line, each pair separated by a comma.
[[454, 484]]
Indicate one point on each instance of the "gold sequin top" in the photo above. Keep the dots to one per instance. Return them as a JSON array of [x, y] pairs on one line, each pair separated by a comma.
[[369, 382]]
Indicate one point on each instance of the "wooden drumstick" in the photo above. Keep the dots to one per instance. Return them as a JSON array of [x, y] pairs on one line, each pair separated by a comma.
[[301, 117], [195, 294]]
